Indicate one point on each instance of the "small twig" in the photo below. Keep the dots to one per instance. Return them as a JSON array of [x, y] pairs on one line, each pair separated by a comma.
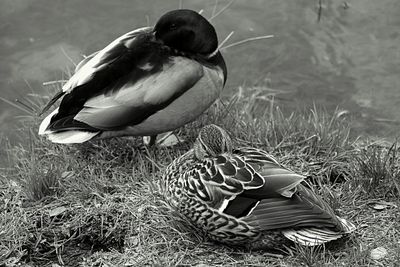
[[297, 143], [279, 256], [222, 10], [29, 85], [16, 106], [225, 40], [319, 10], [66, 55], [153, 162], [250, 142], [247, 40], [25, 105], [54, 82], [386, 120], [227, 109], [215, 8]]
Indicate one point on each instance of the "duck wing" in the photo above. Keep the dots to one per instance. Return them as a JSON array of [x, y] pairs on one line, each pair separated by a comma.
[[303, 218], [91, 67], [114, 57], [135, 101], [246, 169], [286, 202]]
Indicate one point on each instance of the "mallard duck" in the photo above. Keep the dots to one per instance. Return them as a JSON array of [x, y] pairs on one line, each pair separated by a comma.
[[243, 196], [148, 81]]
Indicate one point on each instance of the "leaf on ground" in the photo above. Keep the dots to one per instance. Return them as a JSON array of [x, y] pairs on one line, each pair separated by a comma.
[[381, 205], [169, 140], [378, 253], [57, 211]]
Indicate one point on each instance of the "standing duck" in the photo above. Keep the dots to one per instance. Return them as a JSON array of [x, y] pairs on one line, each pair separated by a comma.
[[245, 197], [146, 82]]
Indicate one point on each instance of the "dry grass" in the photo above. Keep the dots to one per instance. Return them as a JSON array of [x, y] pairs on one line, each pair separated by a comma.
[[96, 204]]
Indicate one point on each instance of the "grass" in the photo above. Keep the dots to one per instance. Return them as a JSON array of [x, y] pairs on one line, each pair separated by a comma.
[[96, 204]]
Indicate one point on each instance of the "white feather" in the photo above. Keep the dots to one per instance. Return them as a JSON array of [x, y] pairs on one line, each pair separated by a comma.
[[147, 67], [71, 137], [45, 123], [223, 206], [86, 71], [251, 210], [311, 236]]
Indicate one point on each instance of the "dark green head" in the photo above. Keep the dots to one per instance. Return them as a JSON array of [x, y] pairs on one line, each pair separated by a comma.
[[187, 31]]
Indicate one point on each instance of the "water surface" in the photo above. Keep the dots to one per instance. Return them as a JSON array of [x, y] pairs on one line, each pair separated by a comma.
[[350, 58]]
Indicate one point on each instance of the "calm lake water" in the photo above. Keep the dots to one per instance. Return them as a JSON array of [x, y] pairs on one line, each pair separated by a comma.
[[350, 58]]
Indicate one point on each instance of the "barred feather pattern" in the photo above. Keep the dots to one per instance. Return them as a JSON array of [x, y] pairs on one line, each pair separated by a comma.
[[220, 227], [193, 190], [238, 196], [185, 196], [214, 180]]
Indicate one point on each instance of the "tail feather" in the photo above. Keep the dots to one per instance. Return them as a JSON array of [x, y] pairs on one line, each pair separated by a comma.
[[51, 102], [311, 236], [64, 137], [46, 122], [71, 137], [317, 236]]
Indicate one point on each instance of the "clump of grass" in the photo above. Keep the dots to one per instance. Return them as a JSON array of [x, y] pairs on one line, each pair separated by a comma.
[[13, 221], [310, 256], [40, 184], [379, 170]]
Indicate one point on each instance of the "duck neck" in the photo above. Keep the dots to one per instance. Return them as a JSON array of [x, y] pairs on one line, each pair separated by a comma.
[[215, 59]]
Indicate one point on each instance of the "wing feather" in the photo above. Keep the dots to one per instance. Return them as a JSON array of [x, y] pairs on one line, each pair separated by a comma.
[[311, 236], [303, 209], [135, 101], [84, 61], [87, 69], [223, 178]]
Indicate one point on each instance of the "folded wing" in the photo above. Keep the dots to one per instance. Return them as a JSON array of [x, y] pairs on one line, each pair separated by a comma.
[[269, 196], [135, 101], [114, 53]]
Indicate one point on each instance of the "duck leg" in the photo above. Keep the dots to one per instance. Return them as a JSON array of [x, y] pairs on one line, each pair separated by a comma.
[[150, 140]]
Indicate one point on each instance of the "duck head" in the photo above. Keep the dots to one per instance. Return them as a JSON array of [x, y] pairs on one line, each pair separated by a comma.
[[187, 31], [211, 142]]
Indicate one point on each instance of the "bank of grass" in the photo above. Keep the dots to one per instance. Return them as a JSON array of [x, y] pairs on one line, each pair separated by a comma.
[[97, 204]]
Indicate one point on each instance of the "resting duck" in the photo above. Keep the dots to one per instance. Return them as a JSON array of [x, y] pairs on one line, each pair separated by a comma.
[[245, 197], [146, 82]]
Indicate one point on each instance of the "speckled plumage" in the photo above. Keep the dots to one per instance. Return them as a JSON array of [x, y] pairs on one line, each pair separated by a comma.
[[242, 196]]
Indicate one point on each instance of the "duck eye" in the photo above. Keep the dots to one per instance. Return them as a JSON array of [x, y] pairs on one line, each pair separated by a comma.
[[173, 26]]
